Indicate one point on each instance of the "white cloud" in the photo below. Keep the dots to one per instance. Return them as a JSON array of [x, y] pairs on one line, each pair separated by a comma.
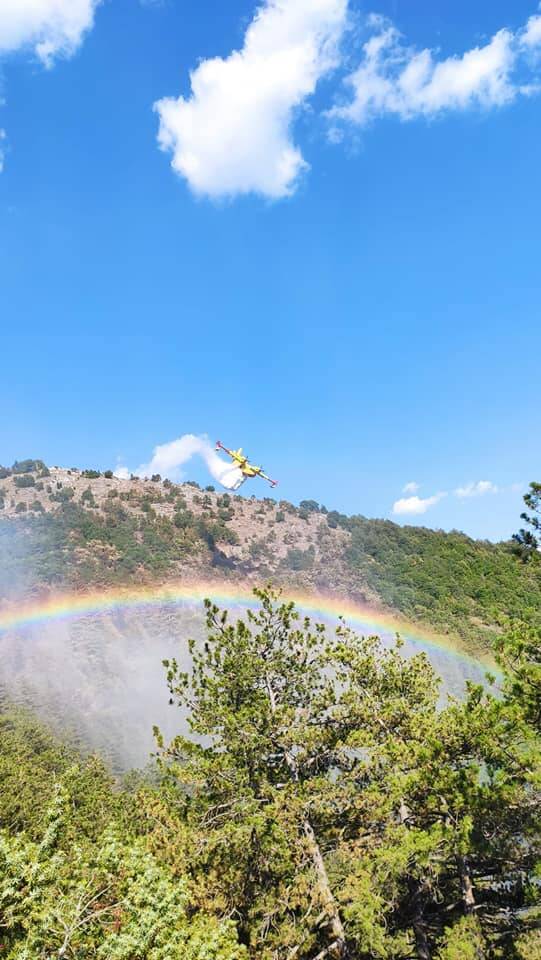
[[233, 135], [394, 78], [531, 35], [411, 487], [52, 28], [478, 489], [414, 506]]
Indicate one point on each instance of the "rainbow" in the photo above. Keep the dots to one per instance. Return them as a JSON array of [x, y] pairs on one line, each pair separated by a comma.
[[73, 606]]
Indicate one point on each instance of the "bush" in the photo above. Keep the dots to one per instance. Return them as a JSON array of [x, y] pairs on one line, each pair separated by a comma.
[[63, 495], [210, 489], [108, 474], [91, 474], [311, 506], [27, 466], [88, 497], [36, 506], [300, 559], [4, 472], [24, 480], [156, 478], [20, 508], [280, 517]]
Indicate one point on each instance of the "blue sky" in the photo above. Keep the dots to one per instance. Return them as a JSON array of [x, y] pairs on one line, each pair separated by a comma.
[[342, 274]]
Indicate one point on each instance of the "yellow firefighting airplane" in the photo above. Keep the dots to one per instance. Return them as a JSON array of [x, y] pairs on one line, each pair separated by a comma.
[[247, 469]]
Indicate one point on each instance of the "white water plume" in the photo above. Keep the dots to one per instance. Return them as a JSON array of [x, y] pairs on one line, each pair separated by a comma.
[[169, 458]]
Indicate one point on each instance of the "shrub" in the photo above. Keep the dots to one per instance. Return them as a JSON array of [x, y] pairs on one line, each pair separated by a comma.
[[91, 474], [210, 489], [20, 508], [24, 480], [300, 559], [108, 474], [36, 506], [27, 466], [4, 472], [63, 495], [311, 506], [280, 517], [88, 497]]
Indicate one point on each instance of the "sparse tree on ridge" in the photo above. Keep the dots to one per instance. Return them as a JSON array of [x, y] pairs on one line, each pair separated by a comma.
[[529, 540]]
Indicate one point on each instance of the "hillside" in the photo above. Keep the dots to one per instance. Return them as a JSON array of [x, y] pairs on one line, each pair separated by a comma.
[[70, 528]]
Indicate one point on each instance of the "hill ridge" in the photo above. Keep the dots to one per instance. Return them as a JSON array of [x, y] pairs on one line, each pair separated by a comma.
[[63, 527]]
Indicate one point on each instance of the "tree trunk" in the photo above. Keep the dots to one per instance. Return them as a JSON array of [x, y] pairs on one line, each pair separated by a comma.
[[466, 884], [328, 902], [418, 921], [421, 939]]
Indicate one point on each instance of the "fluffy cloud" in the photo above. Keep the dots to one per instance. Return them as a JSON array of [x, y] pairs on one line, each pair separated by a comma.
[[478, 489], [52, 28], [232, 135], [531, 36], [394, 78], [414, 506]]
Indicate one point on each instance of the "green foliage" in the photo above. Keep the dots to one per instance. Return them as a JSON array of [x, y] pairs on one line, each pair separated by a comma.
[[321, 780], [91, 474], [74, 881], [324, 804], [463, 941], [108, 474], [518, 653], [528, 946], [63, 494], [300, 559], [447, 580], [310, 506], [29, 466], [24, 480], [21, 507], [528, 542]]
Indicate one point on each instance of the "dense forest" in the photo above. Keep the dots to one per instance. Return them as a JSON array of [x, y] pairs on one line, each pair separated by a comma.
[[322, 806]]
